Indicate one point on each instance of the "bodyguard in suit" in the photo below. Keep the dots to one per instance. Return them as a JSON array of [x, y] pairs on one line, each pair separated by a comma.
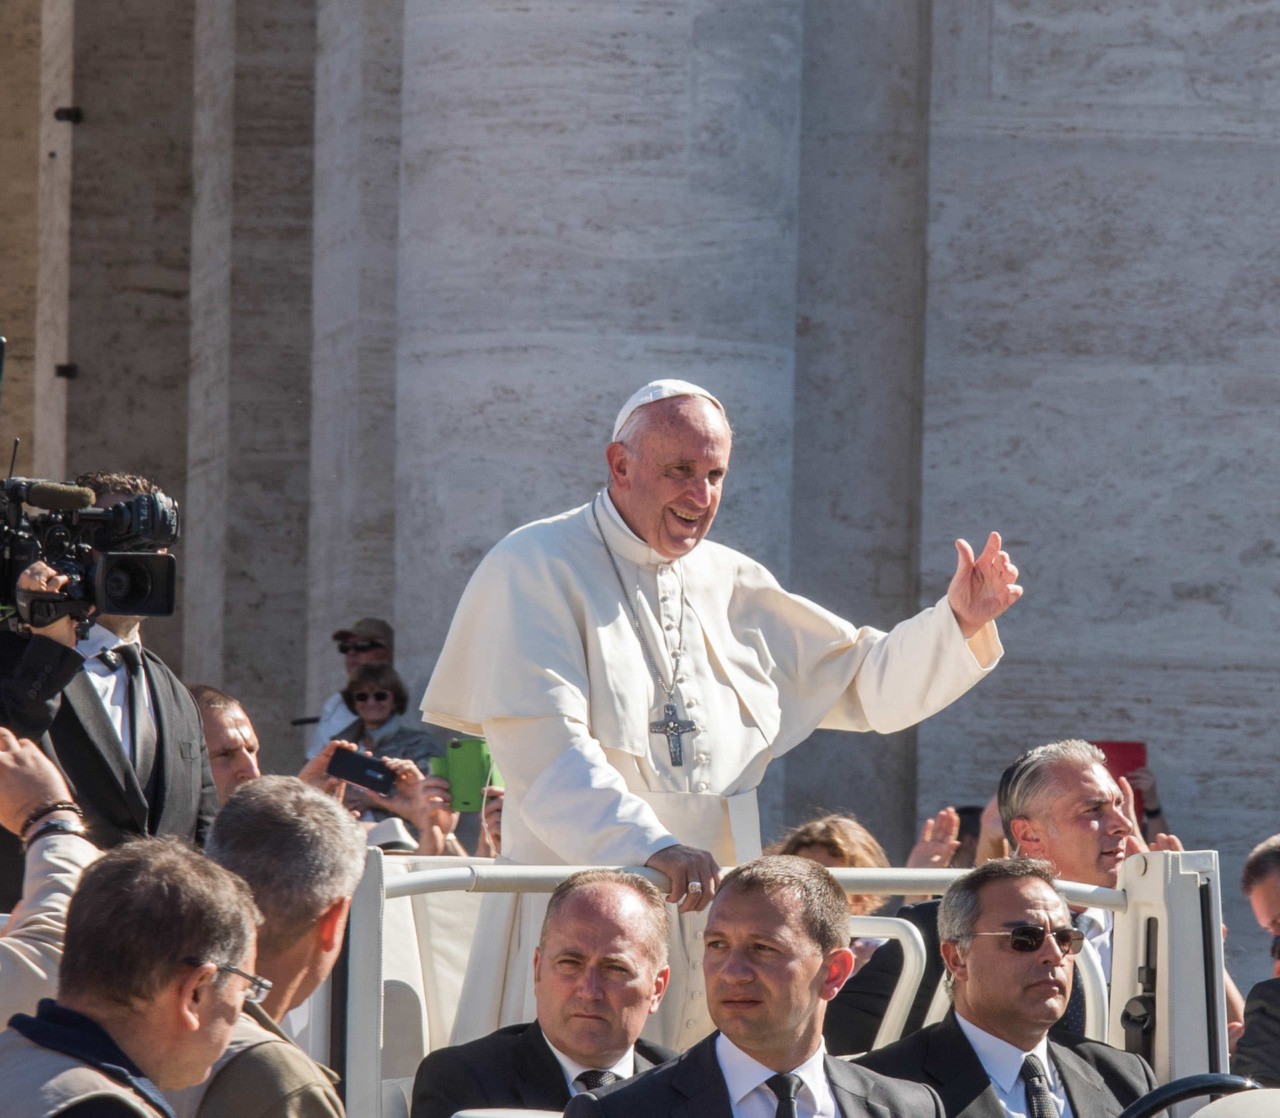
[[599, 971], [1059, 803], [1008, 945], [116, 720], [776, 950]]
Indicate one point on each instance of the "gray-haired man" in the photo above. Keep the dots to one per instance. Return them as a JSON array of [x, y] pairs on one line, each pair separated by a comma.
[[302, 856], [1008, 943]]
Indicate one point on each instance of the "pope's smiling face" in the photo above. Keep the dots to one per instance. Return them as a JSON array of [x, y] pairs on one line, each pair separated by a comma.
[[666, 478]]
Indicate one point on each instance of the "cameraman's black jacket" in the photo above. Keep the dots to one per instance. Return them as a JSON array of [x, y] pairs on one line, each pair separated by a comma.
[[45, 696]]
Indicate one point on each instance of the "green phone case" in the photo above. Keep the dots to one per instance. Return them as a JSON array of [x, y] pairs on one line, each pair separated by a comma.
[[469, 768]]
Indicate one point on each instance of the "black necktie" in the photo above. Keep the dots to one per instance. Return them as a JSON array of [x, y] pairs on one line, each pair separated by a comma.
[[593, 1078], [1073, 1018], [1040, 1102], [140, 721], [785, 1088]]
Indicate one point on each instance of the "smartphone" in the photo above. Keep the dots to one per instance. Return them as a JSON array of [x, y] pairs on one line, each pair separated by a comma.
[[1122, 758], [468, 766], [360, 768]]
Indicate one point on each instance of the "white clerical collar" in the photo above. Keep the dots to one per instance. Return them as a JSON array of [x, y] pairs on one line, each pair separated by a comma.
[[623, 540], [623, 1069], [1001, 1060], [743, 1074]]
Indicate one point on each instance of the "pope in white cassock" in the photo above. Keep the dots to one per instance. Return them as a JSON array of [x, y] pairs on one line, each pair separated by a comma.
[[634, 681]]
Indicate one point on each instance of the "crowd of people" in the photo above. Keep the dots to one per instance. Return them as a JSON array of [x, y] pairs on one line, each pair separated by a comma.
[[633, 681]]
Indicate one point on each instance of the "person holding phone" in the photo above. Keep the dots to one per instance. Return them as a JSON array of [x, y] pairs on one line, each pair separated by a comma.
[[378, 696]]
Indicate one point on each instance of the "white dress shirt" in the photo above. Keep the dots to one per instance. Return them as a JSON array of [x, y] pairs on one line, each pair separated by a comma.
[[112, 686], [750, 1098], [1097, 925], [623, 1069], [1002, 1062]]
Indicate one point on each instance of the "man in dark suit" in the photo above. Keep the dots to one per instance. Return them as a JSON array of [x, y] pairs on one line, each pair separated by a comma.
[[1057, 802], [599, 971], [142, 772], [1008, 942], [776, 949]]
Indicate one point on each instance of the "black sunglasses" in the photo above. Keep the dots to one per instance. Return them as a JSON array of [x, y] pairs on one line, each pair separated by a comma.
[[358, 646], [376, 696], [1030, 937]]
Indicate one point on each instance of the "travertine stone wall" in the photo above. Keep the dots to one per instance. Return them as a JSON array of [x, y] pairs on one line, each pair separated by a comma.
[[255, 124], [130, 251], [35, 184], [204, 554], [859, 366], [1101, 378], [591, 196], [353, 387]]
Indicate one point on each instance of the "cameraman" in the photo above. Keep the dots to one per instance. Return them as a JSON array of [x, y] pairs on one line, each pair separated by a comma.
[[120, 725]]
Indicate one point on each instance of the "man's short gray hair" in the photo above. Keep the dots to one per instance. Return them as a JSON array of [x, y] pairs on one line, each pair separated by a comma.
[[1023, 781], [297, 848], [961, 904]]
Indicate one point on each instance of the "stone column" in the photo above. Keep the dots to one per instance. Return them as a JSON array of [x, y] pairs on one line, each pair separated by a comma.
[[354, 503], [250, 431], [592, 196], [1103, 339], [35, 192], [130, 238], [859, 366]]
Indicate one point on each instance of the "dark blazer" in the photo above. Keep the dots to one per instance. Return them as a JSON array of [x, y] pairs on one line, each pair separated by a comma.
[[692, 1086], [511, 1067], [1258, 1051], [1099, 1080], [854, 1015], [44, 695]]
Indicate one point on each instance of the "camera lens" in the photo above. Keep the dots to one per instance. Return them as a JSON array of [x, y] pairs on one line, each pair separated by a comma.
[[127, 588]]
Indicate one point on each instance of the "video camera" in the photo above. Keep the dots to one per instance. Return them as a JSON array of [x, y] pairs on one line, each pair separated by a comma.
[[111, 556]]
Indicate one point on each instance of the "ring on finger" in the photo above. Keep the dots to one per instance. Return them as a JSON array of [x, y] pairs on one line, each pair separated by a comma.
[[695, 887]]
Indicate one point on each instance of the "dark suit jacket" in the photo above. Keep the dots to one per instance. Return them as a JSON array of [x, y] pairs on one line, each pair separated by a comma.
[[44, 695], [854, 1016], [1258, 1051], [1099, 1080], [693, 1087], [511, 1067]]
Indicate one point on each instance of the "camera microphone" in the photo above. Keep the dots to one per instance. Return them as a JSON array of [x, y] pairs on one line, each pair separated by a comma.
[[56, 497]]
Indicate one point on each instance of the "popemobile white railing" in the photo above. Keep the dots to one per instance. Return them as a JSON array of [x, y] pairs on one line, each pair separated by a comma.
[[413, 921]]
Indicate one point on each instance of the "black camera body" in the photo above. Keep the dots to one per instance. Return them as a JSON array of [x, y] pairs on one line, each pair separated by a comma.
[[112, 557]]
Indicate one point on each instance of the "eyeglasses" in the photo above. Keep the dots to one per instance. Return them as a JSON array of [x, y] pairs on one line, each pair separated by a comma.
[[376, 696], [258, 988], [1030, 937], [359, 646]]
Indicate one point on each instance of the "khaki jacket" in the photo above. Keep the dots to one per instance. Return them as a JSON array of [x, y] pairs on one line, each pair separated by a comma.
[[263, 1074]]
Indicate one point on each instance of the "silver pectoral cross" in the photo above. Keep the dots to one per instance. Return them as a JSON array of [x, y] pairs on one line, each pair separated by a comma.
[[673, 727]]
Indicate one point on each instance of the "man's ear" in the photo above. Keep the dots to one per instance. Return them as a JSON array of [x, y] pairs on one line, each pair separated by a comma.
[[659, 988], [955, 962], [616, 455], [333, 924], [1027, 835], [838, 966], [190, 992], [537, 958]]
